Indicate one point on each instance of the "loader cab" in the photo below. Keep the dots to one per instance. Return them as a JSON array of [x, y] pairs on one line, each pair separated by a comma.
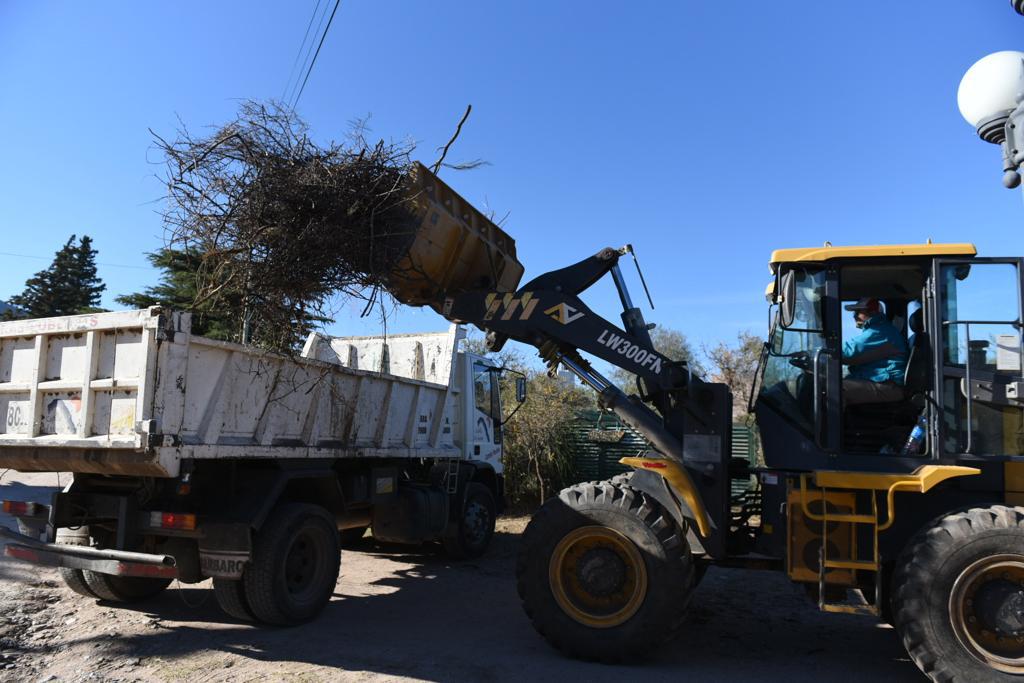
[[957, 317]]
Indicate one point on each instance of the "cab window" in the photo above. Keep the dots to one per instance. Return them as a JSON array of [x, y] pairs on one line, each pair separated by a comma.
[[786, 384], [981, 355], [483, 378]]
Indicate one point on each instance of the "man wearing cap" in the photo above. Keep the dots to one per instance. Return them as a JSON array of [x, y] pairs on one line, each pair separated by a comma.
[[877, 357]]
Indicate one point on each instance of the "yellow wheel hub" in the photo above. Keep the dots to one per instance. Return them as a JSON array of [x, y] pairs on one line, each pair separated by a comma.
[[986, 610], [598, 576]]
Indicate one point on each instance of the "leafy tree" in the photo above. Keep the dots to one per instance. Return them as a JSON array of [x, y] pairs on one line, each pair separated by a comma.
[[223, 317], [737, 366], [670, 343], [178, 290], [68, 286]]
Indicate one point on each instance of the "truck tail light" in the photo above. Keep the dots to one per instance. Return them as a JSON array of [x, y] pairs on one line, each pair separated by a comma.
[[20, 508], [172, 520]]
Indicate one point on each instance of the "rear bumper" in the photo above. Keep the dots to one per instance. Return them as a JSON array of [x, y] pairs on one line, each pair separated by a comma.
[[103, 561]]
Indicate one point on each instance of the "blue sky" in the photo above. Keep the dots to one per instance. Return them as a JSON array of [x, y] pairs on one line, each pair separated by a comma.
[[705, 133]]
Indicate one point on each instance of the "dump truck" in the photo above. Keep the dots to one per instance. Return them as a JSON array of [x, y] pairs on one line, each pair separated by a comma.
[[196, 458], [909, 508]]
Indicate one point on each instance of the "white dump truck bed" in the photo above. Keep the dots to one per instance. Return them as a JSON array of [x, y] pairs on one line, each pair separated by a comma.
[[135, 393]]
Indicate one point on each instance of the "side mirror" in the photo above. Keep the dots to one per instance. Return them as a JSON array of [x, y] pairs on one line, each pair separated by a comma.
[[520, 389], [787, 307]]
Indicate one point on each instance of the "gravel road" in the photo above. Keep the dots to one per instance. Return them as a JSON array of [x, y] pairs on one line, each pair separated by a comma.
[[400, 615]]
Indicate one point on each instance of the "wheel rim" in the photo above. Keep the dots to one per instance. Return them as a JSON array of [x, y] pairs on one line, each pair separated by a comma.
[[476, 521], [597, 576], [303, 566], [986, 609]]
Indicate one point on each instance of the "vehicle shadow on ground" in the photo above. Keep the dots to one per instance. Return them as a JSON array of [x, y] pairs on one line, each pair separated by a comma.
[[438, 620]]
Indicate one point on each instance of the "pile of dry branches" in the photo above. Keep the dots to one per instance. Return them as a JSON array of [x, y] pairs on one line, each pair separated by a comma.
[[282, 224]]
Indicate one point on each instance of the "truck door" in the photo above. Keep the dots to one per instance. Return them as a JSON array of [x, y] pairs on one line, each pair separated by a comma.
[[484, 428], [977, 304]]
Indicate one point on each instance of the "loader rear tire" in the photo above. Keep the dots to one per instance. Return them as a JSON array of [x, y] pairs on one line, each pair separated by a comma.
[[959, 596], [230, 595], [74, 578], [604, 572], [294, 566], [124, 588]]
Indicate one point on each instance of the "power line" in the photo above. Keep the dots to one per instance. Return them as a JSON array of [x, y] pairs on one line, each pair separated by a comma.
[[288, 87], [308, 55], [313, 63], [50, 258]]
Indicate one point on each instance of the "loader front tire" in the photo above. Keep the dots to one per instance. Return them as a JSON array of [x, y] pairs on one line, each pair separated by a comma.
[[959, 596], [604, 572]]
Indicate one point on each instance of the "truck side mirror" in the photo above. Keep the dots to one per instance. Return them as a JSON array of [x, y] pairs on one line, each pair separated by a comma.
[[520, 389]]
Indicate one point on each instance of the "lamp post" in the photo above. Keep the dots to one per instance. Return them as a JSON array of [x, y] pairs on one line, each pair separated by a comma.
[[990, 99]]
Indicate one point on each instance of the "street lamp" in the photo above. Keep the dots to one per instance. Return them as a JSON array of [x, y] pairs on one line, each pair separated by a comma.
[[990, 99]]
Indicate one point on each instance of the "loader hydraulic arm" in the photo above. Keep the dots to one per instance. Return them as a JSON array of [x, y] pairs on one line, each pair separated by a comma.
[[685, 419], [548, 314]]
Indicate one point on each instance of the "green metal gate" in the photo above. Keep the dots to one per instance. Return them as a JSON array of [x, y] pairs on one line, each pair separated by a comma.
[[600, 440]]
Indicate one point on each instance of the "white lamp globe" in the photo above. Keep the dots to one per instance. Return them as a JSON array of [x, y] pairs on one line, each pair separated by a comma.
[[993, 86]]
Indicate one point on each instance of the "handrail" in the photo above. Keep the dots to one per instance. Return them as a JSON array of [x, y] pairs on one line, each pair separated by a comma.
[[815, 388]]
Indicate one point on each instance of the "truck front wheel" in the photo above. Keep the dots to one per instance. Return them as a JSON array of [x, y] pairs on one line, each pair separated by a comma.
[[959, 596], [604, 572], [294, 565], [470, 536]]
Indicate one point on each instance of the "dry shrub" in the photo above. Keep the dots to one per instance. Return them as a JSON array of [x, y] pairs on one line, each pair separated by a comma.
[[281, 224]]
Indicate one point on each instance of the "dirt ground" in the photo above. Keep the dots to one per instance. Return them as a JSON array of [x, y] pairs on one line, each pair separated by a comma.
[[399, 615]]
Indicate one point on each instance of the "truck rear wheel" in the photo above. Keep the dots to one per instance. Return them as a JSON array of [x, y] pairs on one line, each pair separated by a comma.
[[472, 535], [230, 595], [604, 572], [124, 588], [74, 578], [294, 565], [959, 596]]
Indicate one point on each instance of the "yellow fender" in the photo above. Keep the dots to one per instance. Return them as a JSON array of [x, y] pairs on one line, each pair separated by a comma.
[[921, 480], [680, 482]]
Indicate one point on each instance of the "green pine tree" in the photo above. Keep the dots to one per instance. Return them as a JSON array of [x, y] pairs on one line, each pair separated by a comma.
[[220, 317], [178, 289], [70, 285]]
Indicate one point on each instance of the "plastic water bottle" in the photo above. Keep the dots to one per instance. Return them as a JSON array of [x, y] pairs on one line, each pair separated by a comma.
[[916, 438]]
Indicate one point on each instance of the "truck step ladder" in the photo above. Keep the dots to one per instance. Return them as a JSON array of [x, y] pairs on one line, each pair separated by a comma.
[[451, 477], [872, 565]]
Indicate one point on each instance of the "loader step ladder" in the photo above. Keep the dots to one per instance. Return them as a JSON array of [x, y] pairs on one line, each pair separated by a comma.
[[825, 563], [876, 484]]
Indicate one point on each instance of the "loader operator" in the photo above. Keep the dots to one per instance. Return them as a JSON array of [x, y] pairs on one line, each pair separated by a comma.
[[877, 357]]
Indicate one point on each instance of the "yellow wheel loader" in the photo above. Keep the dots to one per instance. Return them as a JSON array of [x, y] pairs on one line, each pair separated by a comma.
[[920, 530], [904, 506]]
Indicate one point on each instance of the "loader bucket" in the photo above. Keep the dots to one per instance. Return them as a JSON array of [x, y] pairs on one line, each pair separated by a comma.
[[455, 247]]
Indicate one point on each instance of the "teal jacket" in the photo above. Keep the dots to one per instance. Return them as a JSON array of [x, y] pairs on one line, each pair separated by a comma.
[[878, 353]]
